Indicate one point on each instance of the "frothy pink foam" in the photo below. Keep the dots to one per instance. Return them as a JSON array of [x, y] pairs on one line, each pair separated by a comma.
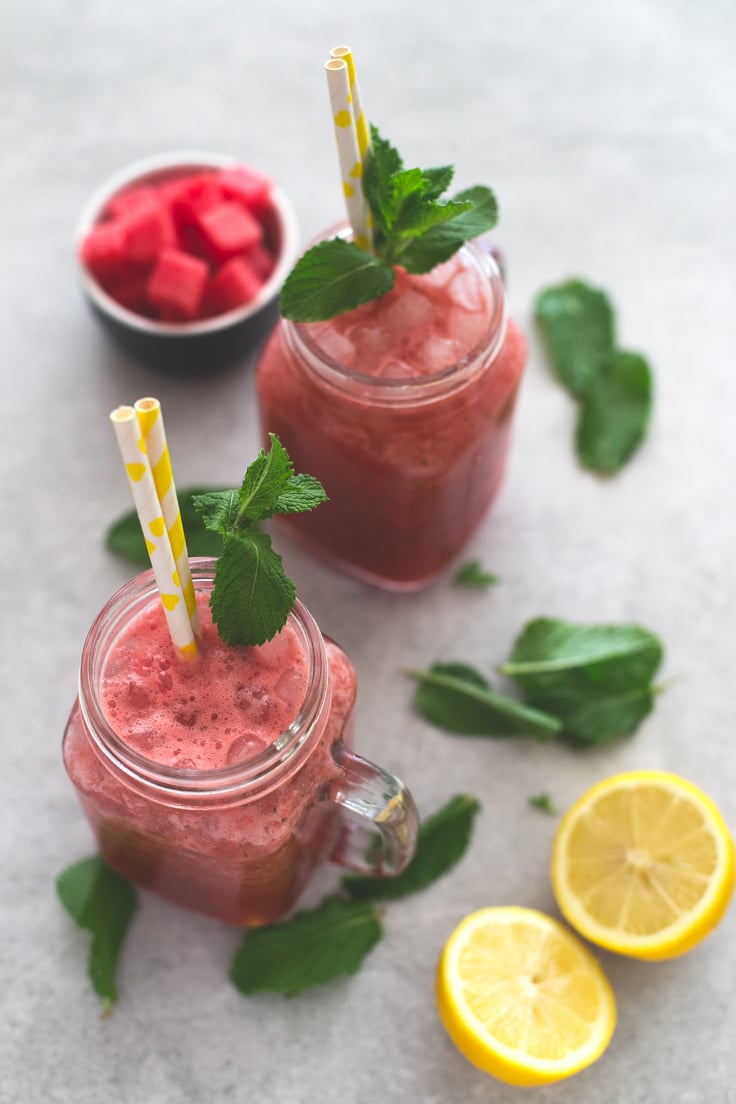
[[222, 709]]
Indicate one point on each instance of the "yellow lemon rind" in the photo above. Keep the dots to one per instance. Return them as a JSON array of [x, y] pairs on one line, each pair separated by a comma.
[[490, 1055], [692, 928]]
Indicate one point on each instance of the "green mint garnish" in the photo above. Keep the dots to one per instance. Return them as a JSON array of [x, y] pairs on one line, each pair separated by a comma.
[[544, 803], [597, 679], [252, 595], [459, 699], [614, 387], [313, 947], [472, 574], [125, 537], [443, 840], [412, 226], [104, 903]]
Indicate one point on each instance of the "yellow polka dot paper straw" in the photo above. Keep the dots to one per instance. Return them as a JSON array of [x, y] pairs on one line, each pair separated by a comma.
[[361, 123], [348, 150], [151, 422], [150, 515]]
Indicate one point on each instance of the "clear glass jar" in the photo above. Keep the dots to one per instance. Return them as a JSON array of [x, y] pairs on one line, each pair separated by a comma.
[[237, 842], [411, 466]]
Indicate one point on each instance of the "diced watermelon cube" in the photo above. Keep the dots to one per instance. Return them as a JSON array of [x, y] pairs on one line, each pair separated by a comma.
[[228, 229], [248, 187], [233, 286], [189, 196], [177, 284], [102, 252], [133, 294], [147, 228], [260, 261], [125, 202]]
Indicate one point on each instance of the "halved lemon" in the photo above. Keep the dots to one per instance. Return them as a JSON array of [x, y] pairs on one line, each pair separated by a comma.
[[522, 997], [643, 864]]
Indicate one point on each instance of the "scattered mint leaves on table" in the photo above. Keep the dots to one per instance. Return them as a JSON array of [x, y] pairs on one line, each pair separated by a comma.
[[586, 684], [615, 413], [614, 387], [460, 699], [473, 574], [443, 840], [317, 945], [311, 948], [104, 903], [125, 537], [577, 327], [597, 679], [252, 595], [544, 803], [413, 226]]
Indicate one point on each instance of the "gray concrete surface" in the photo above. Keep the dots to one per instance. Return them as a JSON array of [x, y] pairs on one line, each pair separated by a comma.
[[607, 131]]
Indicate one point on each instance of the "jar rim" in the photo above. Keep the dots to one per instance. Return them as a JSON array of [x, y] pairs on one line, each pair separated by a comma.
[[431, 386], [247, 780]]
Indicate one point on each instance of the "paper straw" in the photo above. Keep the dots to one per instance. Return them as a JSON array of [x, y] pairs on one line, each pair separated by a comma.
[[348, 150], [361, 123], [151, 422], [133, 451]]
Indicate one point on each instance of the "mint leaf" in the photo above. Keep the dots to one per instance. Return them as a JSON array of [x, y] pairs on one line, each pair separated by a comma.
[[412, 227], [476, 213], [252, 596], [459, 699], [218, 511], [437, 181], [595, 678], [124, 537], [577, 326], [599, 721], [544, 803], [104, 903], [265, 479], [615, 414], [472, 574], [332, 277], [442, 842], [382, 163], [311, 948], [301, 493]]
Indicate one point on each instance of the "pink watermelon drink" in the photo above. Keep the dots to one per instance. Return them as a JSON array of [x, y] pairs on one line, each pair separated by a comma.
[[216, 782], [403, 408]]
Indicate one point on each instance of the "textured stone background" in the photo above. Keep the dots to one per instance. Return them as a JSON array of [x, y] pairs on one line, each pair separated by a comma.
[[608, 132]]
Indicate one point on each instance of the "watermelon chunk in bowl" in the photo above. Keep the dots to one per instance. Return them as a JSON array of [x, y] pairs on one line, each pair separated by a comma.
[[182, 256]]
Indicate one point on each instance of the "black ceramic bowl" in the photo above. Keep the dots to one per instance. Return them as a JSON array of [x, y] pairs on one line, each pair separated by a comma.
[[188, 348]]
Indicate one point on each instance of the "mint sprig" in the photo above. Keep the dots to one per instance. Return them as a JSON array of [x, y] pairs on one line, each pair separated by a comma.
[[597, 679], [312, 948], [614, 387], [413, 226], [458, 698], [252, 595], [473, 574], [585, 684], [104, 903]]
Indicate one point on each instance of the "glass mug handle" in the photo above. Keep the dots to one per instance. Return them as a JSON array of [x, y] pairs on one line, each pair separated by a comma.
[[379, 820]]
